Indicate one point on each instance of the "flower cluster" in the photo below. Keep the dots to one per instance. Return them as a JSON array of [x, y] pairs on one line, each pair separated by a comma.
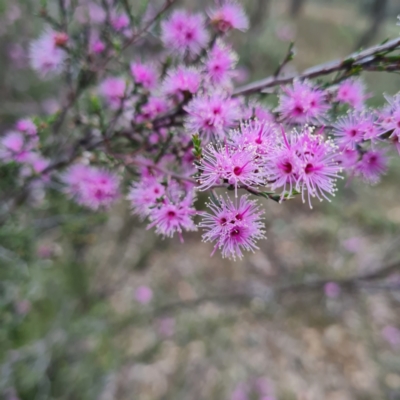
[[92, 187], [233, 226], [175, 123]]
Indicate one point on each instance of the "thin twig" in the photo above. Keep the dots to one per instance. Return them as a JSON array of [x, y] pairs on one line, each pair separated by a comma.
[[361, 59]]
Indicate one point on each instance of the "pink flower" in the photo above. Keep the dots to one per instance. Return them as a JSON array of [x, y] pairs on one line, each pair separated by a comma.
[[257, 389], [332, 290], [173, 217], [318, 168], [154, 107], [352, 92], [45, 251], [26, 126], [46, 54], [17, 55], [184, 33], [182, 80], [284, 165], [144, 74], [372, 166], [307, 163], [372, 130], [120, 21], [239, 167], [144, 196], [113, 89], [302, 103], [166, 327], [258, 136], [212, 115], [392, 335], [262, 113], [14, 147], [348, 158], [90, 13], [143, 294], [350, 130], [389, 120], [220, 64], [229, 16], [91, 187], [233, 226], [97, 46]]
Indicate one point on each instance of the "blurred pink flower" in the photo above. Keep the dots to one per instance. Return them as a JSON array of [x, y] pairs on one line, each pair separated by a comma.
[[166, 326], [332, 290], [392, 335], [353, 245], [44, 251], [230, 15], [17, 55], [143, 294]]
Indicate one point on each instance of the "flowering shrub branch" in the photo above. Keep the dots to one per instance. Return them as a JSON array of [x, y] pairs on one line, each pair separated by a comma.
[[163, 126]]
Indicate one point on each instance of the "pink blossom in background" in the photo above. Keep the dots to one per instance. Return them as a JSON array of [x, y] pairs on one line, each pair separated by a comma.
[[353, 244], [389, 119], [212, 115], [349, 130], [90, 13], [14, 147], [263, 113], [91, 187], [352, 92], [230, 15], [166, 327], [371, 128], [173, 217], [18, 56], [45, 251], [143, 294], [113, 89], [348, 158], [257, 389], [220, 64], [145, 74], [144, 194], [372, 166], [97, 46], [13, 13], [303, 103], [332, 290], [392, 335], [26, 126], [181, 80], [154, 107], [184, 32], [46, 57], [241, 75], [120, 21]]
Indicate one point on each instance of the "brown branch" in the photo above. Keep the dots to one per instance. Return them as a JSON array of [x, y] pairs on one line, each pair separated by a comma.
[[361, 59], [358, 282]]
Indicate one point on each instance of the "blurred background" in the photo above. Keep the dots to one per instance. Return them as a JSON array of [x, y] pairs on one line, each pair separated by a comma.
[[97, 307]]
